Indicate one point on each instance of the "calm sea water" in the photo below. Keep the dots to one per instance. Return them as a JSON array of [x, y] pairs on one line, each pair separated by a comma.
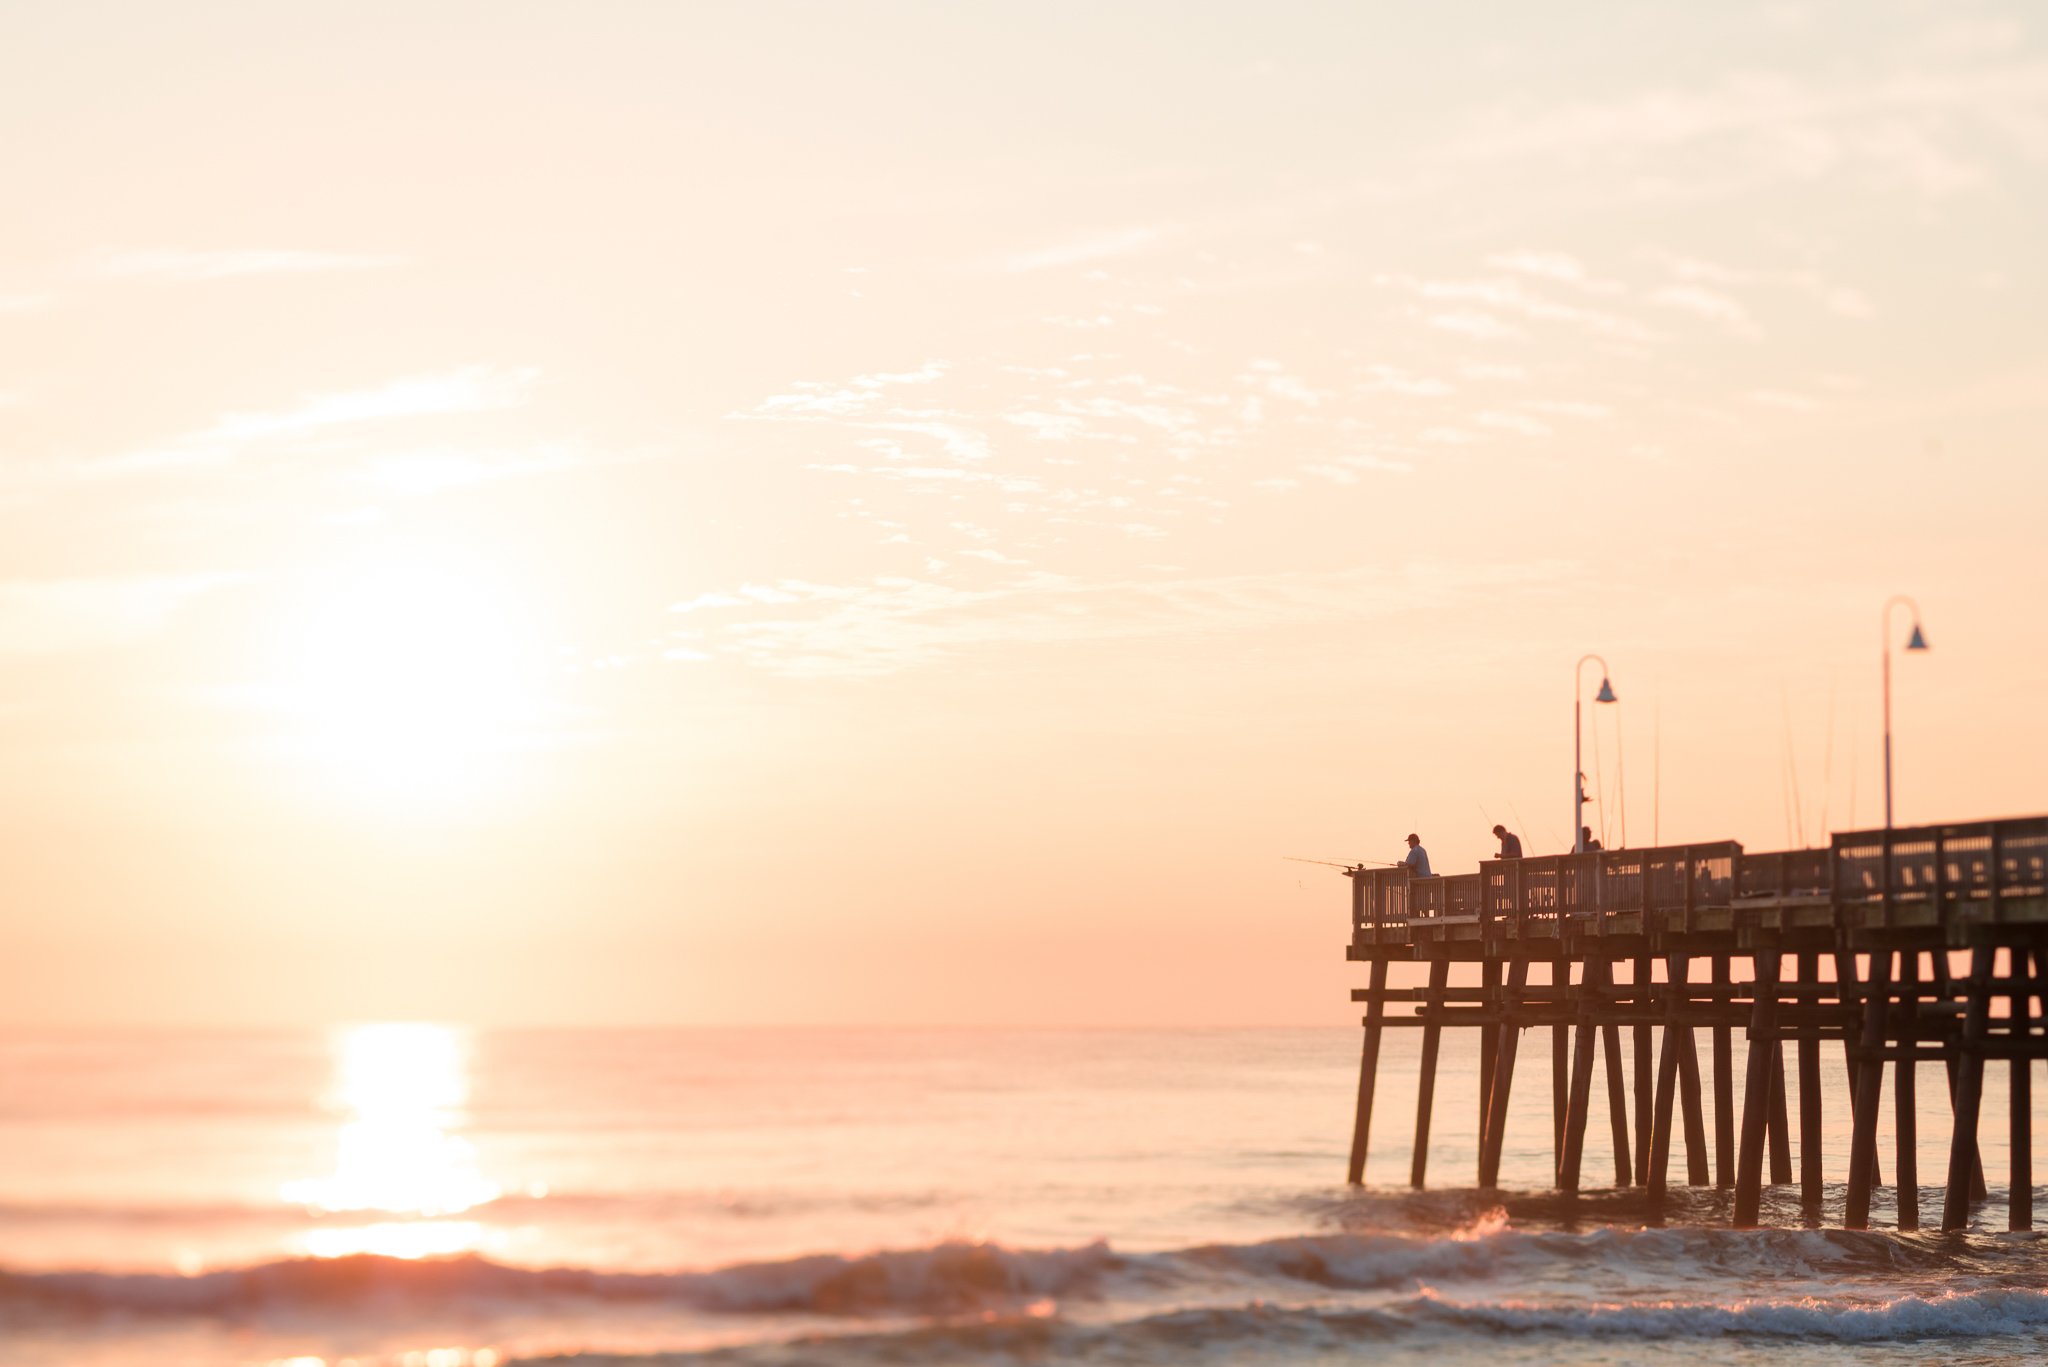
[[421, 1196]]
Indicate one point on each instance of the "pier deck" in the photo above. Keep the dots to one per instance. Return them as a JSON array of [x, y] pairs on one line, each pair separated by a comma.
[[1870, 928]]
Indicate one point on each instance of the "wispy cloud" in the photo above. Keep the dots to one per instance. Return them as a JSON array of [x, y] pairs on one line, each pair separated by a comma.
[[892, 623], [1905, 130], [1519, 423], [1560, 267], [471, 389], [1514, 297], [1783, 398], [1694, 274], [61, 616], [816, 399], [1472, 323], [419, 473], [1081, 250], [181, 266], [1711, 305]]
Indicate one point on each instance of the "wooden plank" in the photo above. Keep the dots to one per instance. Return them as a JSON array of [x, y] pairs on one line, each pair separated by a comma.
[[1425, 1085], [1368, 1072]]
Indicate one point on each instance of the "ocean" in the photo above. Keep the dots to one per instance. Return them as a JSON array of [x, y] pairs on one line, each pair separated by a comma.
[[418, 1195]]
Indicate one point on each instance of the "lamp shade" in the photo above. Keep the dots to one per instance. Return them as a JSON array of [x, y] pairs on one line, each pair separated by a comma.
[[1606, 693], [1917, 641]]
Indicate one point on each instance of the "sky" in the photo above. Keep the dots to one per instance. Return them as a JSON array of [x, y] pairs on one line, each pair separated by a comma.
[[910, 513]]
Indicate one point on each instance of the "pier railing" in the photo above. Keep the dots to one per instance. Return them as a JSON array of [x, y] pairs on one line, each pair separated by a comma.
[[1967, 870]]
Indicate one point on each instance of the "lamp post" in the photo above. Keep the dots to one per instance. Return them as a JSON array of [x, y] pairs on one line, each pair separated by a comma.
[[1917, 641], [1606, 694]]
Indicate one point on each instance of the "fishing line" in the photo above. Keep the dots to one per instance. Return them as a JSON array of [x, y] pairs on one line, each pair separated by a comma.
[[1827, 762]]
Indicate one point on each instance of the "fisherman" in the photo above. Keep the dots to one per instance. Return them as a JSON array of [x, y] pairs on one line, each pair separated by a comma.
[[1510, 843], [1418, 858], [1586, 841]]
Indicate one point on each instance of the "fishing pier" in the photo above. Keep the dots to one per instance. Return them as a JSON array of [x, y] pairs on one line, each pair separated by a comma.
[[1854, 947]]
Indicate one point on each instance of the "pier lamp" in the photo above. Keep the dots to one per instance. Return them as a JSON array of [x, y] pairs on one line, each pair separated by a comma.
[[1917, 641], [1606, 694]]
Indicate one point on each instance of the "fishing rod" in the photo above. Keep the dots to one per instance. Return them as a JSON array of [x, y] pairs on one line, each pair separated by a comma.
[[1333, 864]]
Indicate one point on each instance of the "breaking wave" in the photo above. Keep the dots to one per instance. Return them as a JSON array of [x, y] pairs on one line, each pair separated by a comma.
[[1276, 1333], [964, 1279]]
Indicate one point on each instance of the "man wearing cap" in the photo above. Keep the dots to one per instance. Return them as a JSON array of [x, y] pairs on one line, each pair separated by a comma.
[[1510, 843], [1418, 858]]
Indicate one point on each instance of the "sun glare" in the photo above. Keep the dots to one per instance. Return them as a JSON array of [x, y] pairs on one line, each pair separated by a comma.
[[411, 677], [402, 1088]]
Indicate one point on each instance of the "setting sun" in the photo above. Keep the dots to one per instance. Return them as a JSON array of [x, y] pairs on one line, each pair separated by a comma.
[[410, 676]]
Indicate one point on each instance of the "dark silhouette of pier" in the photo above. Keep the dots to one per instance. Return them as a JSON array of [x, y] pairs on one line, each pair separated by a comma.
[[1849, 945]]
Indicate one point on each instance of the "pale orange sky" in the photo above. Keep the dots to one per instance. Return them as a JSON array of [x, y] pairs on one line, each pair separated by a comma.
[[905, 513]]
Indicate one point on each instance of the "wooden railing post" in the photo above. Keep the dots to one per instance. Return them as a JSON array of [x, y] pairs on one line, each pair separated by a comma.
[[1940, 874], [1885, 868], [1997, 868]]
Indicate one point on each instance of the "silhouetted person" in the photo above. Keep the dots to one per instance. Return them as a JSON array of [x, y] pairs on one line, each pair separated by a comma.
[[1418, 858], [1510, 843], [1587, 842]]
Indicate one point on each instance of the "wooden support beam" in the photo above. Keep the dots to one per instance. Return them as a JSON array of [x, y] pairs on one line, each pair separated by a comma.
[[1658, 1170], [1579, 1098], [1425, 1083], [1617, 1097], [1978, 1191], [1905, 1099], [1864, 1097], [1495, 1134], [1848, 985], [1749, 1160], [2020, 1204], [1946, 986], [1645, 1072], [1560, 1063], [1962, 1149], [1776, 1123], [1368, 1072], [1691, 1107], [1812, 1171], [1724, 1089], [1489, 1045]]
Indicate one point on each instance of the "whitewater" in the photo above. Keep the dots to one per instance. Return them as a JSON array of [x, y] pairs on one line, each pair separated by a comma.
[[421, 1196]]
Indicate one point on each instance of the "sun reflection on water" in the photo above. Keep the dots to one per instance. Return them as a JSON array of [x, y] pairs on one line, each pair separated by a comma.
[[402, 1088]]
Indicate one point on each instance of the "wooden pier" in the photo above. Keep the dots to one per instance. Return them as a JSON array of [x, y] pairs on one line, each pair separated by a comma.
[[1855, 945]]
